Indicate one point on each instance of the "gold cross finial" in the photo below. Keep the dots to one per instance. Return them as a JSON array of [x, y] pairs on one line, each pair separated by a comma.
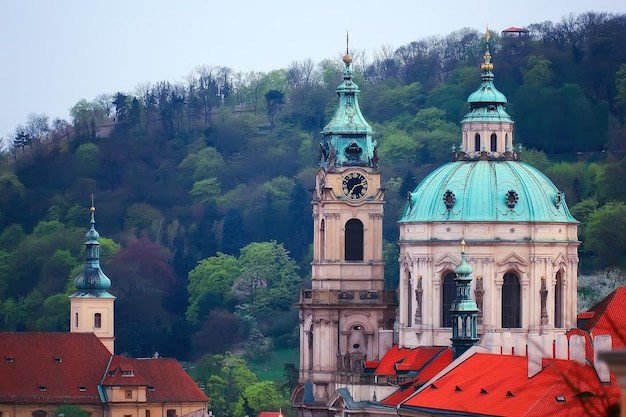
[[463, 245], [487, 34], [93, 208]]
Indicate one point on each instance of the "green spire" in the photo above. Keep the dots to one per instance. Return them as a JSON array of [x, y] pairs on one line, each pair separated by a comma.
[[487, 103], [92, 282], [347, 137], [464, 311]]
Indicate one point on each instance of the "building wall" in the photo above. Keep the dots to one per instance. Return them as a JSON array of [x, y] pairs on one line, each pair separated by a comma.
[[534, 252]]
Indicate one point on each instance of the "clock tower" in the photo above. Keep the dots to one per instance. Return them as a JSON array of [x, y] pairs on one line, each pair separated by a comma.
[[347, 316]]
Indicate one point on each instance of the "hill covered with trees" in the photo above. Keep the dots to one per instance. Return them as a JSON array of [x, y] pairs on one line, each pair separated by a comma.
[[202, 187]]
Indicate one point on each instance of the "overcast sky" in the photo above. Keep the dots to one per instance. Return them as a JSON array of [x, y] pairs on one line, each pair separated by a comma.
[[56, 52]]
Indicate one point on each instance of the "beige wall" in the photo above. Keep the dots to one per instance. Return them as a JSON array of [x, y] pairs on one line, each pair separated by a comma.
[[532, 251]]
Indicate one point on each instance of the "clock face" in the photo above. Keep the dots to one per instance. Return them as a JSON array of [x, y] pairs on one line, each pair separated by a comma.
[[354, 185]]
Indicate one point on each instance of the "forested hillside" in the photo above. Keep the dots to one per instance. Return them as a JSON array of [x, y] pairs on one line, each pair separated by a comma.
[[201, 188]]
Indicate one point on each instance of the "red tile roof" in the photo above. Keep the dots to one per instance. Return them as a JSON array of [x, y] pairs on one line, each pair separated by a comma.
[[405, 359], [514, 29], [269, 414], [436, 365], [608, 317], [479, 385], [121, 372], [69, 367], [167, 380], [51, 367]]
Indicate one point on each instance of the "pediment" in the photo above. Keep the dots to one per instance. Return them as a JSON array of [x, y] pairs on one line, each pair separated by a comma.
[[447, 261], [560, 261], [513, 261]]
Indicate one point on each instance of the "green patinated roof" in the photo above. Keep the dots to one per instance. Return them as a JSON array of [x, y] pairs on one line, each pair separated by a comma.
[[92, 282], [347, 138], [489, 191], [487, 103]]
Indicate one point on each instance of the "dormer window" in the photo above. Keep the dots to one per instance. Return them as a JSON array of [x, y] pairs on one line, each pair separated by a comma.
[[42, 387], [58, 359], [128, 373], [82, 388], [9, 359]]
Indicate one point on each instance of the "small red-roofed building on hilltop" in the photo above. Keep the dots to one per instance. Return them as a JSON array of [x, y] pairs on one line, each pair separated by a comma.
[[39, 372]]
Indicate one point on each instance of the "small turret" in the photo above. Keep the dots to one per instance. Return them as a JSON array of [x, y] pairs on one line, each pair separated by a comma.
[[92, 305], [464, 311], [92, 281]]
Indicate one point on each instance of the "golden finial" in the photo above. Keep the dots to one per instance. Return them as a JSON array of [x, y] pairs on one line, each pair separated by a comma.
[[487, 34], [463, 245], [93, 208]]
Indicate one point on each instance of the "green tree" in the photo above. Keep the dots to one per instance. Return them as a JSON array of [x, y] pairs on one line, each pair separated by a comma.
[[213, 277], [70, 410], [205, 163], [269, 278], [260, 396], [537, 71], [606, 234], [206, 190]]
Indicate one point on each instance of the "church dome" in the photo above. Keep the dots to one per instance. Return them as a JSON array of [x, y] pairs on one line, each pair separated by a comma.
[[486, 191]]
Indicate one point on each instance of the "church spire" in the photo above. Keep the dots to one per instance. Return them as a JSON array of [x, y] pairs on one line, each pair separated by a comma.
[[487, 128], [92, 282], [464, 311], [347, 137]]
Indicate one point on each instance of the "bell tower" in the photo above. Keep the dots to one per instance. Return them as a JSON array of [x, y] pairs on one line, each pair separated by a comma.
[[91, 306], [347, 316]]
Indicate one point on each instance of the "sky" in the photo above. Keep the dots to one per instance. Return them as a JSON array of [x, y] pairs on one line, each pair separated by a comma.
[[54, 53]]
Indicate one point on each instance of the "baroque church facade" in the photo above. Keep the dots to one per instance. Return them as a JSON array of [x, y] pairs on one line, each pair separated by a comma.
[[516, 277], [522, 237]]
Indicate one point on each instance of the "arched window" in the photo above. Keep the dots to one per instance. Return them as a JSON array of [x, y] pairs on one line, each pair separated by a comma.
[[507, 142], [558, 301], [494, 142], [322, 240], [511, 306], [354, 240], [448, 291], [477, 142], [75, 319], [97, 320]]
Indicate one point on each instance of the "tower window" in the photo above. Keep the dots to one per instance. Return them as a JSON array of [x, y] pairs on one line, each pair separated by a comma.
[[75, 319], [477, 142], [354, 240], [494, 142], [447, 298], [558, 301], [511, 317], [128, 393], [97, 320]]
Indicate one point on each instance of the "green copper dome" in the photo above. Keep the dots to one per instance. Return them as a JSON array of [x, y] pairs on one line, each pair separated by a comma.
[[92, 281], [486, 191], [486, 182]]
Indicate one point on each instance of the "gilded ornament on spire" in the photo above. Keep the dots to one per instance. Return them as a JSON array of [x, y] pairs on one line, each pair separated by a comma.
[[487, 65]]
